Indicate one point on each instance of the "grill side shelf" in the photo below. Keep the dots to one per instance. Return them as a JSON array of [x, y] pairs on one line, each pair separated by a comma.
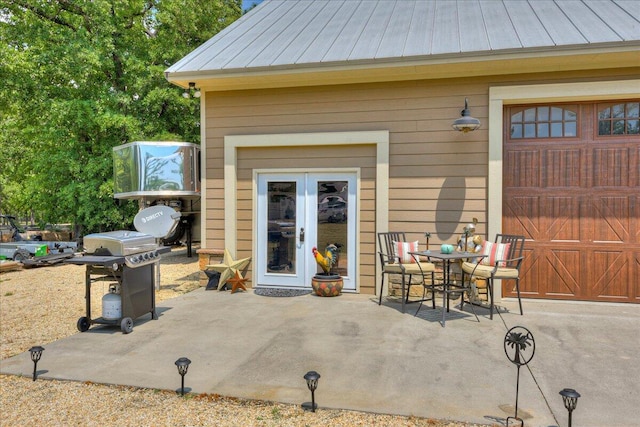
[[105, 261]]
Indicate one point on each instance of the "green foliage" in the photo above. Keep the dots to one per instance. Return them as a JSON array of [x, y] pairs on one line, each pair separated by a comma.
[[79, 78]]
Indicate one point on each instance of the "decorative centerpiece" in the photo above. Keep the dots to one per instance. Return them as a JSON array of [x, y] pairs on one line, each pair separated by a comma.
[[327, 284]]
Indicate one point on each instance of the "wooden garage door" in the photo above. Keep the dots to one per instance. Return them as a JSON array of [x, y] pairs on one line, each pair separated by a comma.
[[572, 187]]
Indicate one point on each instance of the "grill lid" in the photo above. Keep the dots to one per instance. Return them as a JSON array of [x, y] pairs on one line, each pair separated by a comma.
[[119, 242]]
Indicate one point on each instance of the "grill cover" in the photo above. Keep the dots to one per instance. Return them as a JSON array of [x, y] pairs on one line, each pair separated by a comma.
[[120, 242]]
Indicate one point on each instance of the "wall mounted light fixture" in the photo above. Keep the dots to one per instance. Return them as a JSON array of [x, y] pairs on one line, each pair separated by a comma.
[[192, 88], [466, 123]]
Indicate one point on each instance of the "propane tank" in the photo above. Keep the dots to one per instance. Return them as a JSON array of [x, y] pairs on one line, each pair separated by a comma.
[[112, 304]]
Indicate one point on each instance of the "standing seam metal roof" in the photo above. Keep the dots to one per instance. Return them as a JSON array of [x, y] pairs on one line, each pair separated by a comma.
[[291, 33]]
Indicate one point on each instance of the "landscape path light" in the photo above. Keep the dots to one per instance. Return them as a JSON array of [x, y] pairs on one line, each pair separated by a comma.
[[183, 366], [312, 378], [570, 399], [36, 354]]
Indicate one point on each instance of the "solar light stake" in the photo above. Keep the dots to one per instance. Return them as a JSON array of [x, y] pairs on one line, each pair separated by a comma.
[[312, 378], [570, 399], [183, 365], [36, 354]]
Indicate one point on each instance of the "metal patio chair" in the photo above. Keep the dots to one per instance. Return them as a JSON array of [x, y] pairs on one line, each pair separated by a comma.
[[507, 267], [392, 263]]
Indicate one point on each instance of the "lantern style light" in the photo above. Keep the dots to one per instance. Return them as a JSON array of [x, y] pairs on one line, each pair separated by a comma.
[[192, 88], [36, 354], [570, 399], [465, 123], [183, 366], [312, 378]]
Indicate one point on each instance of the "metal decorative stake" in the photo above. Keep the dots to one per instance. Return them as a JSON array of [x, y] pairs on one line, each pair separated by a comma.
[[312, 378], [519, 346], [183, 365], [36, 354], [570, 399]]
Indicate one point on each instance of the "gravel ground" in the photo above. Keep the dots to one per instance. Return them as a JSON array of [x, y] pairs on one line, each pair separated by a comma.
[[41, 305]]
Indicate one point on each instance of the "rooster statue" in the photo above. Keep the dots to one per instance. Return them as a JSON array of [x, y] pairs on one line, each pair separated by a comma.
[[328, 260]]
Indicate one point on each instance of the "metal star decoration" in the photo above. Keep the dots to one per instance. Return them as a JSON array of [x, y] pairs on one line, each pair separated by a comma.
[[228, 267], [237, 282]]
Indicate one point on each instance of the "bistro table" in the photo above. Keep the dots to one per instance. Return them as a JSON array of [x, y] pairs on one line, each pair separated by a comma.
[[448, 286]]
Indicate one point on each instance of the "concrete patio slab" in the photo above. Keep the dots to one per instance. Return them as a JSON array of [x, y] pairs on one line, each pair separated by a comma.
[[371, 358]]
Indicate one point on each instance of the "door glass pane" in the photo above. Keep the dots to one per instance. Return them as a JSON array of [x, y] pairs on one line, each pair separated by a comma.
[[530, 130], [556, 130], [570, 129], [333, 199], [281, 242], [543, 114], [543, 130]]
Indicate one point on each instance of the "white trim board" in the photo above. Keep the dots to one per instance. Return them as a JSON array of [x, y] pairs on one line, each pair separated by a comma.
[[378, 138]]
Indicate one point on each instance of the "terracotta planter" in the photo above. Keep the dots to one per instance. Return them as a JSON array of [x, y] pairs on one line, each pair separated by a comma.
[[327, 286]]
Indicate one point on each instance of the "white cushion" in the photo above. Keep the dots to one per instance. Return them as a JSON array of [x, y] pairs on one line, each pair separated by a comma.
[[485, 271], [414, 268]]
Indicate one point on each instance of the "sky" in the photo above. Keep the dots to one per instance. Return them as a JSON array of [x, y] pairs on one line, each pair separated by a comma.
[[246, 4]]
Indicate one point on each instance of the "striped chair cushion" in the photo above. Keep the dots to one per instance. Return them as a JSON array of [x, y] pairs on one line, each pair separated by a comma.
[[495, 252], [402, 250]]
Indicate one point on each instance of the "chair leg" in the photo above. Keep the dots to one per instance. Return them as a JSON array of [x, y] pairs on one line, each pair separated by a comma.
[[381, 287], [462, 298], [490, 288], [433, 290], [518, 291], [408, 290]]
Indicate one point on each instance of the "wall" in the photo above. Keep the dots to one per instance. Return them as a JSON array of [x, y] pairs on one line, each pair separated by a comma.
[[437, 176]]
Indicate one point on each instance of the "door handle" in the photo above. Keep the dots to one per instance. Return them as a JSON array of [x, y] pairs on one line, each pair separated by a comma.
[[301, 234]]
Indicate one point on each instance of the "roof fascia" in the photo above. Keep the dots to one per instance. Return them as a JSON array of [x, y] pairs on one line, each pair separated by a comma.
[[433, 67]]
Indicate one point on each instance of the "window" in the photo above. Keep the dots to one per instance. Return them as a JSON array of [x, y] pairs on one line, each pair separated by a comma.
[[544, 122], [619, 119]]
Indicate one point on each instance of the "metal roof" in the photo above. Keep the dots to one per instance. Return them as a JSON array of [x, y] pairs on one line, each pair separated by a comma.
[[286, 34]]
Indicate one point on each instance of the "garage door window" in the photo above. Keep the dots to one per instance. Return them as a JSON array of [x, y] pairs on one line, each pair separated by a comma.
[[544, 122], [619, 119]]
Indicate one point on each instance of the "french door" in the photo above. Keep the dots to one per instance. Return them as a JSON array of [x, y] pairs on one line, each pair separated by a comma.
[[297, 212]]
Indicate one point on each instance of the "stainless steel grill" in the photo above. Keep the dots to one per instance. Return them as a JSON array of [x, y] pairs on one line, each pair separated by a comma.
[[136, 249], [132, 260]]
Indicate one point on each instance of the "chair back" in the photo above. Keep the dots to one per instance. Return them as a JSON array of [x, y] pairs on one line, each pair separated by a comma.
[[516, 248], [387, 251]]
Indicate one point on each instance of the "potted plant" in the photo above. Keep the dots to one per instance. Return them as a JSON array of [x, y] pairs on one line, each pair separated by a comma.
[[327, 283]]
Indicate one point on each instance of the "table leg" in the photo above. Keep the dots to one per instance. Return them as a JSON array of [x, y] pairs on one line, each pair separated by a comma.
[[445, 288], [403, 302]]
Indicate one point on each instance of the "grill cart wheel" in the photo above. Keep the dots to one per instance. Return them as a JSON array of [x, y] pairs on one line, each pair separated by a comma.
[[21, 255], [83, 324], [126, 325]]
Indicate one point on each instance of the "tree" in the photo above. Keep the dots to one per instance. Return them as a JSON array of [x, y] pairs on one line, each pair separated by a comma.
[[81, 77]]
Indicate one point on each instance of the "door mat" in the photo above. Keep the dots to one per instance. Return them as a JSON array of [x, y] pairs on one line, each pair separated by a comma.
[[268, 292]]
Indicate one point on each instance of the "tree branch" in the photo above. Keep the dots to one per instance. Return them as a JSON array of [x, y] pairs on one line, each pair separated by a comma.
[[56, 19]]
